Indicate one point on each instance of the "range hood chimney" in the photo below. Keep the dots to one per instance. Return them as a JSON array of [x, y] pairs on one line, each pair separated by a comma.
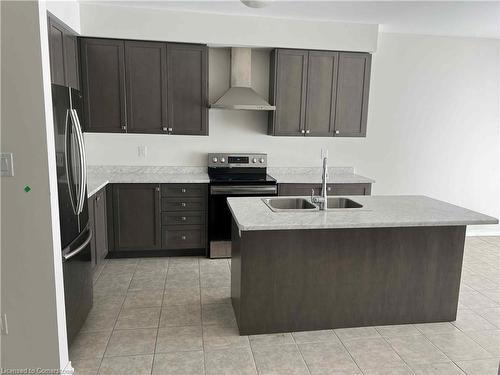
[[241, 95]]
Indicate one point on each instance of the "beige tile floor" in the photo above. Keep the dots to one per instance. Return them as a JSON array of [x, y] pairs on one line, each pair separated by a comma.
[[173, 316]]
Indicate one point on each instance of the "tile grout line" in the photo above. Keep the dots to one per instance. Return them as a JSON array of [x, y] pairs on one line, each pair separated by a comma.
[[430, 342], [301, 355], [253, 355], [159, 317], [201, 320], [347, 350], [116, 320]]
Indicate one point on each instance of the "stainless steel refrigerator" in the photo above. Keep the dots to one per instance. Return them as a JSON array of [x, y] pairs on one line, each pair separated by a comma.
[[73, 211]]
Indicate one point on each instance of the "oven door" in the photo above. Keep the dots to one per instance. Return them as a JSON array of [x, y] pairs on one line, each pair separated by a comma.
[[219, 215]]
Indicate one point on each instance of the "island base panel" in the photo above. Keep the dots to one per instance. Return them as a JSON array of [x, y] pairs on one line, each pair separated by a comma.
[[296, 280]]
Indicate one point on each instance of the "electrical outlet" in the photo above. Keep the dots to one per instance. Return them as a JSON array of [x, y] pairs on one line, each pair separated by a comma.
[[4, 327], [142, 151]]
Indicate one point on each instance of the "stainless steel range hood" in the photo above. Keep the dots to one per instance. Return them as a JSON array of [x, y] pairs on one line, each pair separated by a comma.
[[241, 95]]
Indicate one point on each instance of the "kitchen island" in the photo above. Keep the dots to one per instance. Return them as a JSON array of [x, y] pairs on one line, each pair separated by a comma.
[[395, 260]]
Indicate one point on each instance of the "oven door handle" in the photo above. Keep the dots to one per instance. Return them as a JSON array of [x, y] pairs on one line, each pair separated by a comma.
[[257, 189]]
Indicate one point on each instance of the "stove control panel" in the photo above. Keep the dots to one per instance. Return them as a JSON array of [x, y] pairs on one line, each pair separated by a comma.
[[251, 160]]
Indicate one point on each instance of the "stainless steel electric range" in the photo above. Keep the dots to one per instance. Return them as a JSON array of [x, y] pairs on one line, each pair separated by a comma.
[[233, 175]]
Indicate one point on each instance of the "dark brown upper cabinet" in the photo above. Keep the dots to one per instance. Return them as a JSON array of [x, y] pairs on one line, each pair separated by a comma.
[[103, 80], [288, 92], [319, 93], [352, 94], [187, 66], [63, 51], [136, 217], [146, 87]]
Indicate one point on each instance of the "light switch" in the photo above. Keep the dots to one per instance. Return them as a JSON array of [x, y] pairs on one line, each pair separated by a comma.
[[6, 164], [142, 151]]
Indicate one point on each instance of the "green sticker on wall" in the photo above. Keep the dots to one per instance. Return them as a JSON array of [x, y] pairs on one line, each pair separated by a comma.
[[27, 189]]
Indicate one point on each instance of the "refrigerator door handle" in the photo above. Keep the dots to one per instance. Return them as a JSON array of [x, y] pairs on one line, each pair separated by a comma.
[[79, 248], [81, 152], [74, 204]]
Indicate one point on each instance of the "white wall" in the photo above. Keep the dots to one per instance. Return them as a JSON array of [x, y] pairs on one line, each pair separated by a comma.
[[32, 287], [433, 124], [67, 11], [131, 22]]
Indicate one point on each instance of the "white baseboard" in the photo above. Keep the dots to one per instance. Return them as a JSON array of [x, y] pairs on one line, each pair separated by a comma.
[[68, 370]]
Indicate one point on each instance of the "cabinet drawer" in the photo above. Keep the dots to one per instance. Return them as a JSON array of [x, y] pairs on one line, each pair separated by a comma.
[[183, 204], [185, 237], [183, 218], [183, 190]]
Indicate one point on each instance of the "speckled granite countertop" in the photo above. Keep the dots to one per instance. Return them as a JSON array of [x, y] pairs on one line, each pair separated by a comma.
[[251, 213], [302, 175], [99, 176]]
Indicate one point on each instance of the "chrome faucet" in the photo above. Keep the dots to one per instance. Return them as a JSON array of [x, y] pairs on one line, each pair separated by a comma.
[[322, 200]]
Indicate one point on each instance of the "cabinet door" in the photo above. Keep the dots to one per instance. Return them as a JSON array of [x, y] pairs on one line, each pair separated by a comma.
[[103, 79], [321, 92], [352, 94], [288, 92], [71, 61], [100, 231], [136, 211], [146, 83], [187, 66], [56, 52]]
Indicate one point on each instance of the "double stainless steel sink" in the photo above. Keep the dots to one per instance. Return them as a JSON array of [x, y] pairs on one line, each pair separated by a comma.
[[302, 204]]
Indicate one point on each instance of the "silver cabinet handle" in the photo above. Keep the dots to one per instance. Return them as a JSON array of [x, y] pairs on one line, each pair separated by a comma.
[[337, 131], [183, 204], [124, 127], [183, 218], [157, 188], [165, 129], [303, 131], [170, 129], [308, 131], [79, 248], [183, 190], [183, 237]]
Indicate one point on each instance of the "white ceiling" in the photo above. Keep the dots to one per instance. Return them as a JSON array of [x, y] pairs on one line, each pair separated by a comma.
[[467, 18]]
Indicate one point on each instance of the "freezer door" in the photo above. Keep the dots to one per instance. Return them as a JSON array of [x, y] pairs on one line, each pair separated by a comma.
[[77, 283]]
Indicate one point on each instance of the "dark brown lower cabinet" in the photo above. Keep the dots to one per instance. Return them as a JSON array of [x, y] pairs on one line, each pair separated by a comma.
[[98, 225], [332, 189], [136, 217], [166, 218]]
